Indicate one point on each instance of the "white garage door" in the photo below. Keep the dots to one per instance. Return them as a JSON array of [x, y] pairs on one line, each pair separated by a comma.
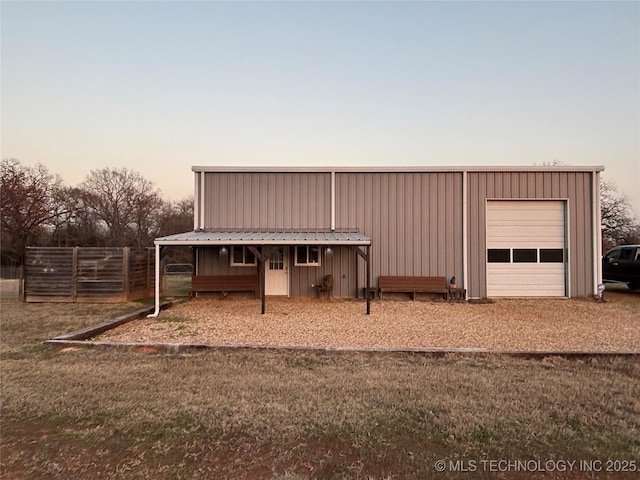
[[526, 249]]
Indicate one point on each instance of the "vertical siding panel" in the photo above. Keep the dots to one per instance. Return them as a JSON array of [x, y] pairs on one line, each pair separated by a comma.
[[406, 204], [309, 213], [248, 201], [417, 224], [279, 201], [217, 208], [450, 218], [425, 227], [588, 234], [326, 200], [392, 251], [209, 191], [440, 237], [354, 212], [289, 199], [384, 241], [548, 185], [482, 204], [573, 228], [506, 185], [303, 218], [433, 224], [539, 185], [491, 183], [457, 232], [254, 213], [498, 186], [585, 272], [298, 193], [344, 201], [271, 194], [475, 282]]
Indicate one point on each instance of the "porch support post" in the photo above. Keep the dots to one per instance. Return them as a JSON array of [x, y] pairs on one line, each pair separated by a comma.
[[368, 279], [263, 296], [366, 255], [262, 258]]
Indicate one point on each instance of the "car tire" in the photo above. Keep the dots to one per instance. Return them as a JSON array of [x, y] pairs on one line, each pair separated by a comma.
[[634, 286]]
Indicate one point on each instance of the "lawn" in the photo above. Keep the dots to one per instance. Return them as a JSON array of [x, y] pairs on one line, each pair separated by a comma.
[[291, 415]]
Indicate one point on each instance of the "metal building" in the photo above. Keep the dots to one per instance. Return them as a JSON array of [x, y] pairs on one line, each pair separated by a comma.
[[501, 231]]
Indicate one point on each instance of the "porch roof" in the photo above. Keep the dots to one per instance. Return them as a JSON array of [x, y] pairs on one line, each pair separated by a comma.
[[265, 237]]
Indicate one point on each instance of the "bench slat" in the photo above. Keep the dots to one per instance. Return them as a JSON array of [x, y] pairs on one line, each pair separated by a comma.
[[224, 283], [412, 285]]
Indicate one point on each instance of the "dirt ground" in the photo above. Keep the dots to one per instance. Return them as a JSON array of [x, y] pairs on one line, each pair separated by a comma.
[[504, 325]]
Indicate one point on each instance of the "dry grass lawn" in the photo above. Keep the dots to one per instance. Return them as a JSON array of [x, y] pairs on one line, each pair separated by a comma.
[[506, 325], [293, 415]]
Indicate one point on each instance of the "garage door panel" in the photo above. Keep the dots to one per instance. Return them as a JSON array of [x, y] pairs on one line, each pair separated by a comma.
[[531, 225]]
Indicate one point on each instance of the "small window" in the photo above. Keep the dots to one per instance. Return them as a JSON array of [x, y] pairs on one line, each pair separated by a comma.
[[626, 253], [615, 255], [242, 257], [525, 255], [307, 255], [551, 255], [498, 255]]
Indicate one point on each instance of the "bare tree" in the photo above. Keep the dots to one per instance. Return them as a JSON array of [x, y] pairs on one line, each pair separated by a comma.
[[176, 217], [30, 206], [79, 225], [124, 203], [618, 222]]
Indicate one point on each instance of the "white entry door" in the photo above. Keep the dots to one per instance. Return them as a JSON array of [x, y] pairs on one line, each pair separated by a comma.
[[277, 273]]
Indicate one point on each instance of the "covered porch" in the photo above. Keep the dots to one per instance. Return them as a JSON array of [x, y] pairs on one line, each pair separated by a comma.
[[267, 254]]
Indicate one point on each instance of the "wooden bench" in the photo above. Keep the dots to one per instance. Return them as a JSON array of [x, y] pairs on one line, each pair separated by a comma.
[[224, 284], [413, 285]]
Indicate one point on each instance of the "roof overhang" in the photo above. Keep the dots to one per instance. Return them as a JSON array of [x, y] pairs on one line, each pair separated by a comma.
[[401, 169], [265, 237]]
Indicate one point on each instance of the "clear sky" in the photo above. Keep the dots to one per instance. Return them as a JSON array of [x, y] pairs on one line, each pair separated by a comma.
[[160, 86]]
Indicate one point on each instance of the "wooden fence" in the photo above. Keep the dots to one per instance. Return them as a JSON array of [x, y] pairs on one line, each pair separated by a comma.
[[88, 274]]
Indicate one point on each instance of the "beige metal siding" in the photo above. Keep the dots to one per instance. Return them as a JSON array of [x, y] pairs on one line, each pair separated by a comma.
[[215, 261], [573, 186], [340, 263], [414, 220], [267, 200]]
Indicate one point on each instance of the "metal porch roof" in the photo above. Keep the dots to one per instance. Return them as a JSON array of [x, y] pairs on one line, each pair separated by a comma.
[[266, 237]]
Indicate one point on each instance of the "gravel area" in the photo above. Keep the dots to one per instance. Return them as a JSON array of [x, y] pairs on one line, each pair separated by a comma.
[[505, 325]]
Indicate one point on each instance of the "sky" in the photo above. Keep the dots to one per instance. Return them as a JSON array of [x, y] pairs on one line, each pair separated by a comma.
[[158, 87]]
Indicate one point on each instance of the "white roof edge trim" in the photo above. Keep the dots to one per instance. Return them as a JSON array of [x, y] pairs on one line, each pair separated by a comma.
[[263, 242], [406, 169]]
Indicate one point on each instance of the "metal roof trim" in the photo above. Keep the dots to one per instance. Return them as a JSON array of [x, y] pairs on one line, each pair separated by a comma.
[[265, 237], [403, 169]]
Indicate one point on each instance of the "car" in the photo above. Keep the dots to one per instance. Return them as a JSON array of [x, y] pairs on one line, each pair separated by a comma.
[[622, 264]]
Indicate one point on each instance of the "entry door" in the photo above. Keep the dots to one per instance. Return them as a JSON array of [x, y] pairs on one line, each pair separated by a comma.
[[277, 273]]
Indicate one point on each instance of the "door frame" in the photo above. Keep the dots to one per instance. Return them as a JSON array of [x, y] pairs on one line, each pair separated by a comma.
[[285, 272]]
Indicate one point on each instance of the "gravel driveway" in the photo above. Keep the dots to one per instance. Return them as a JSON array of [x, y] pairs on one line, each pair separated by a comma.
[[505, 325]]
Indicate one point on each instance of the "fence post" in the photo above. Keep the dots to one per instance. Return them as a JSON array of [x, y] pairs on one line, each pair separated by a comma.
[[74, 274], [125, 273]]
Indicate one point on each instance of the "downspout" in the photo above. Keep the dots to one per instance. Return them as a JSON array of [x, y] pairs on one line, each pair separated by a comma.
[[597, 233], [196, 201], [465, 243], [333, 200], [202, 175], [157, 284]]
